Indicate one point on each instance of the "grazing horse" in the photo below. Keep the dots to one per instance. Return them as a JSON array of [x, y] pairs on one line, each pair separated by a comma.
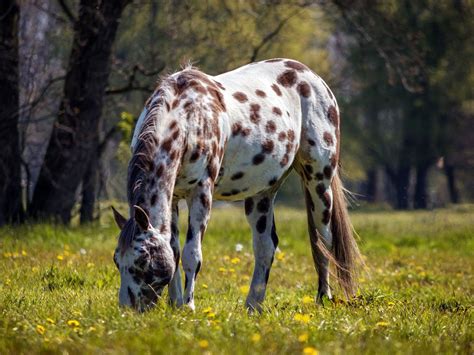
[[235, 136]]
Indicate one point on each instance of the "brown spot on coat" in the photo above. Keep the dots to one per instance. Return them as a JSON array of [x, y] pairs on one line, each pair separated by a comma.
[[276, 89], [260, 93], [236, 129], [255, 113], [328, 138], [304, 89], [240, 97], [282, 136], [205, 202], [287, 78], [267, 146], [291, 135], [276, 111], [296, 65], [333, 116], [270, 127], [284, 160], [166, 146]]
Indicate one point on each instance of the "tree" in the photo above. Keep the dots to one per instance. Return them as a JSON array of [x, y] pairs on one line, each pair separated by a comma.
[[10, 159], [74, 142]]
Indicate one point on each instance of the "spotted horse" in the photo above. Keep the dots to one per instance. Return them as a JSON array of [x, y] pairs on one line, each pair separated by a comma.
[[234, 136]]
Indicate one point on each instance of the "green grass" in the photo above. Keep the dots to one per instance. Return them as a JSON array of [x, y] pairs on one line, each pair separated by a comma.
[[58, 291]]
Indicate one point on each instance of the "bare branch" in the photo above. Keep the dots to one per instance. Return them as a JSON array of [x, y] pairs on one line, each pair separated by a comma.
[[132, 85], [269, 37]]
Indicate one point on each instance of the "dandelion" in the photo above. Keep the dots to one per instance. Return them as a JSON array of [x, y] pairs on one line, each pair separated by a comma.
[[223, 270], [7, 255], [231, 270], [40, 329], [203, 344], [24, 253], [60, 257], [50, 321], [280, 256], [256, 337], [382, 324], [391, 303], [204, 286], [90, 265], [235, 260], [226, 257], [207, 310], [73, 323], [303, 318], [307, 300], [303, 338], [244, 289], [309, 350], [35, 269]]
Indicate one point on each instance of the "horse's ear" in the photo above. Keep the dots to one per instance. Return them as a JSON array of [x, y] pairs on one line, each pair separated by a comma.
[[141, 218], [119, 219]]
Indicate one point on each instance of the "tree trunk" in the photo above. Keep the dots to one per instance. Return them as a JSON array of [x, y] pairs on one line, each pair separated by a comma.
[[10, 158], [401, 181], [421, 185], [452, 188], [75, 135], [371, 189], [89, 191]]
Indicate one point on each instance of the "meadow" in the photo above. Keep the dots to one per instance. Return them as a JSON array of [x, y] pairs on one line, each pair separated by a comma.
[[58, 291]]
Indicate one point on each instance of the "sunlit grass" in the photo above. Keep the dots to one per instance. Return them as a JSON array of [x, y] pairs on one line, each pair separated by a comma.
[[58, 291]]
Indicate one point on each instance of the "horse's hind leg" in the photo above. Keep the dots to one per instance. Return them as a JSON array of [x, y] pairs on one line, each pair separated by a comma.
[[259, 212], [318, 196]]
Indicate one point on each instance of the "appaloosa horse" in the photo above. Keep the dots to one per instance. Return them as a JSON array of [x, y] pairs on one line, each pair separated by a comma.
[[235, 136]]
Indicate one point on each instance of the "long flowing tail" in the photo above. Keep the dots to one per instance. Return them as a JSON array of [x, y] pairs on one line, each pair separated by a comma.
[[348, 258]]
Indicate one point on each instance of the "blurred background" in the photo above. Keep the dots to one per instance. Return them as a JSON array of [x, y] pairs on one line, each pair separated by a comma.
[[74, 76]]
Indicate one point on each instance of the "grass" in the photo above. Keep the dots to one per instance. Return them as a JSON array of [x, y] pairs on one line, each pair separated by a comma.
[[58, 291]]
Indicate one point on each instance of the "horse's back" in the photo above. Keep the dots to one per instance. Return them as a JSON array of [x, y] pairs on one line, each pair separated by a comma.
[[273, 108]]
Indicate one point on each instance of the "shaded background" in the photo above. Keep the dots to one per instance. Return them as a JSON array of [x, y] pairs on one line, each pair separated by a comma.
[[74, 76]]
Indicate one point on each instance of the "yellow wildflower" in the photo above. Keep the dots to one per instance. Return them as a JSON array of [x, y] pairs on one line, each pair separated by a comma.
[[307, 300], [7, 255], [50, 321], [303, 318], [235, 260], [203, 343], [280, 256], [204, 286], [207, 310], [73, 323], [309, 350], [303, 338], [223, 270], [256, 337], [40, 329], [382, 324], [60, 257], [23, 252], [244, 289], [231, 270], [90, 265]]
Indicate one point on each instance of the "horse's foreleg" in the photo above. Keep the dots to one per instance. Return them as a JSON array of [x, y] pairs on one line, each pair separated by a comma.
[[175, 290], [199, 212], [259, 211]]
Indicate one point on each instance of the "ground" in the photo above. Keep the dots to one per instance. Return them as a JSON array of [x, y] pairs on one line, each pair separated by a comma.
[[58, 291]]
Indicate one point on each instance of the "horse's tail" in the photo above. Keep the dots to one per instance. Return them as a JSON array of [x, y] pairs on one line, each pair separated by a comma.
[[348, 258]]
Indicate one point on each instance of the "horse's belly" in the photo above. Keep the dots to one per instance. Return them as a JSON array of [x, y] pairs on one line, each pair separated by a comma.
[[253, 165]]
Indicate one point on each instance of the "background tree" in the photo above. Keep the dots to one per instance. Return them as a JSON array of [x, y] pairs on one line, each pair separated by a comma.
[[73, 146], [10, 159]]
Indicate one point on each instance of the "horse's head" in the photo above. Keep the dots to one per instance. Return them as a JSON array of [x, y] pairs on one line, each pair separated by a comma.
[[144, 259]]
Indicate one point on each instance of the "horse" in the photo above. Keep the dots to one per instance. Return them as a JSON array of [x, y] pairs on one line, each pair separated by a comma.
[[235, 136]]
